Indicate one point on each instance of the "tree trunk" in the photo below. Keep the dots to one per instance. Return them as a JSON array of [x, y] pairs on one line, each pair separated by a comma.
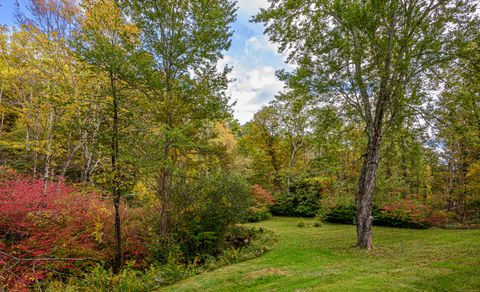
[[35, 153], [365, 191], [277, 181], [48, 155], [290, 166], [2, 118], [115, 179], [164, 194], [68, 161], [165, 177], [368, 176]]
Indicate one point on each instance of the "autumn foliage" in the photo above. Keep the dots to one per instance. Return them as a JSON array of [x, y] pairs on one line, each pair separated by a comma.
[[261, 196], [412, 211], [55, 230], [262, 200]]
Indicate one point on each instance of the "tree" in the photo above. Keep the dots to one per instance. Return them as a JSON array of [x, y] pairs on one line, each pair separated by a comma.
[[261, 141], [379, 57], [293, 115], [108, 42], [457, 120], [184, 89]]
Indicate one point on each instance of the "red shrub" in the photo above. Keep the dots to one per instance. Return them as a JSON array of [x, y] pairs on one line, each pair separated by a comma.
[[261, 196], [407, 212], [58, 222]]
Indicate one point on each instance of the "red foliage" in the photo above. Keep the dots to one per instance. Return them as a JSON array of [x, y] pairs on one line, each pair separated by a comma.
[[56, 222], [438, 218], [261, 196], [410, 209]]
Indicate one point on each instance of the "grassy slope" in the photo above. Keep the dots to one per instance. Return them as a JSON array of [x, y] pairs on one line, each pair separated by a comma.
[[324, 259]]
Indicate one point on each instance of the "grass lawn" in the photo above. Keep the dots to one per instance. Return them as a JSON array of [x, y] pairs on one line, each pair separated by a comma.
[[324, 259]]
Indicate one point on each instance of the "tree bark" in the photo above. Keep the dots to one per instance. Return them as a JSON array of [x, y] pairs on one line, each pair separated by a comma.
[[365, 191], [164, 192], [48, 155], [115, 179], [2, 118], [68, 161], [277, 181]]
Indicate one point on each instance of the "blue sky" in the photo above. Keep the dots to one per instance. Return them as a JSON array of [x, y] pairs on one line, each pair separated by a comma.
[[253, 57]]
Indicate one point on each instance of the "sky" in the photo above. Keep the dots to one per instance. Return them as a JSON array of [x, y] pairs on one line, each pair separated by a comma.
[[254, 59]]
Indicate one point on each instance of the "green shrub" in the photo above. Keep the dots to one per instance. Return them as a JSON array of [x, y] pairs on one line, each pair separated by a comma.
[[129, 279], [101, 279], [341, 214], [258, 216], [317, 221], [303, 199], [405, 214], [301, 223], [221, 201]]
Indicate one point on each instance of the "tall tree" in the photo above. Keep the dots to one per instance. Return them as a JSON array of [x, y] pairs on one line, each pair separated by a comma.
[[261, 141], [379, 57], [108, 42], [457, 120], [186, 39], [294, 118]]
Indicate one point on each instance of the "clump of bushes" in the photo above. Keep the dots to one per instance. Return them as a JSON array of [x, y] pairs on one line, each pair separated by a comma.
[[200, 230], [301, 223], [76, 229], [317, 221], [57, 221], [409, 212], [303, 198], [257, 216], [406, 212], [341, 214], [100, 278], [262, 200]]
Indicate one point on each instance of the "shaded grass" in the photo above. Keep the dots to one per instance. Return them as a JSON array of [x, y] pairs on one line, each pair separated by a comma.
[[325, 259]]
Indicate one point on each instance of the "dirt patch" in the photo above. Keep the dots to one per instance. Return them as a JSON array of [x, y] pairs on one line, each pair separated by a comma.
[[265, 273]]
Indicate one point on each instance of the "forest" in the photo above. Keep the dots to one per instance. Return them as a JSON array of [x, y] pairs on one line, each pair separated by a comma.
[[124, 168]]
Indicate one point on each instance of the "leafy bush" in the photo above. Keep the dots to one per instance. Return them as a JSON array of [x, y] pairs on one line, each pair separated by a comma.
[[258, 216], [100, 278], [303, 199], [405, 212], [129, 279], [222, 201], [341, 214], [317, 221], [57, 222], [262, 200], [301, 223]]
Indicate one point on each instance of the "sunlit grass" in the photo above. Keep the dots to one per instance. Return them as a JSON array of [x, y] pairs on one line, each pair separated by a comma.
[[325, 258]]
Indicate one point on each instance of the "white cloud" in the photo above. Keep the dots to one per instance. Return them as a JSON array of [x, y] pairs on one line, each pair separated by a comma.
[[260, 43], [251, 7], [254, 59], [252, 87]]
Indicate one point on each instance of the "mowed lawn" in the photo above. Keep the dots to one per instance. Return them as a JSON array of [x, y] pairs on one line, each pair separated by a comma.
[[324, 259]]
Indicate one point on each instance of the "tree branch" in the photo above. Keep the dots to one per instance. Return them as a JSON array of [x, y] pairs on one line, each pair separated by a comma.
[[48, 259]]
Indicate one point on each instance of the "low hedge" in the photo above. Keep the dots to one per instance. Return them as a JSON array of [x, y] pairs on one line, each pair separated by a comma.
[[346, 215]]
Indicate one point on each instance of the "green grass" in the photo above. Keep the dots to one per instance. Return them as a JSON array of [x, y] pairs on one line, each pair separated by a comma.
[[324, 259]]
